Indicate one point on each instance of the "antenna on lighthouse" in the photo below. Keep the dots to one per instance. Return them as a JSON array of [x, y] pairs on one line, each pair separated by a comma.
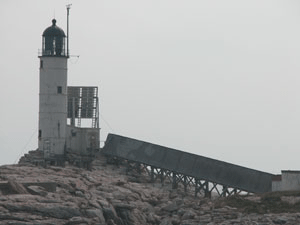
[[68, 9]]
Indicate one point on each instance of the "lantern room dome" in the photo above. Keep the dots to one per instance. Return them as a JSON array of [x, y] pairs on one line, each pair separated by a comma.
[[54, 30], [54, 41]]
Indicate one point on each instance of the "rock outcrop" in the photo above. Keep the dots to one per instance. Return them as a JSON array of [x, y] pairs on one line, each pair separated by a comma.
[[108, 194]]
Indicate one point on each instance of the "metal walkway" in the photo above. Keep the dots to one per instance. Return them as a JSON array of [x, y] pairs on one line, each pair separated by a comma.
[[189, 169]]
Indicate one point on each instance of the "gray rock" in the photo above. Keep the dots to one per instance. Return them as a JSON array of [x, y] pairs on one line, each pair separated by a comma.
[[166, 221], [6, 216], [152, 218], [205, 218], [175, 220], [125, 215], [37, 190], [77, 220], [96, 213], [13, 222], [119, 195], [136, 217], [49, 201], [89, 178], [171, 207], [3, 198], [17, 187], [103, 203], [59, 212], [109, 214], [123, 206], [94, 204], [117, 203], [19, 208], [181, 212], [79, 194], [188, 215], [56, 212], [179, 202], [280, 220]]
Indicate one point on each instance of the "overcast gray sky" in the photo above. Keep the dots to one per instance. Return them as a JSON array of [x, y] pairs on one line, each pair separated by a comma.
[[216, 78]]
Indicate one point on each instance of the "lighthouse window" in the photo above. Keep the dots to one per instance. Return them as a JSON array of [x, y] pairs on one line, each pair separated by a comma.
[[40, 133], [41, 64], [73, 133], [59, 90]]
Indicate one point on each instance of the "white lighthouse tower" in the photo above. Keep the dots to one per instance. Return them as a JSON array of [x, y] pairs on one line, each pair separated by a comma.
[[53, 94]]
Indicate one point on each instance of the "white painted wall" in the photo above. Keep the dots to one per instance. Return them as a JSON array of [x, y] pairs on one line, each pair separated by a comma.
[[290, 180], [53, 105], [83, 139], [276, 186]]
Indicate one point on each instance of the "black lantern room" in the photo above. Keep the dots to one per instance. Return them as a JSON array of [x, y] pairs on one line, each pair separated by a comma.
[[54, 41]]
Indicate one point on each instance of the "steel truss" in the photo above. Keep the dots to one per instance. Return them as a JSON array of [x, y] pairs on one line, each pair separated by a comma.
[[202, 187]]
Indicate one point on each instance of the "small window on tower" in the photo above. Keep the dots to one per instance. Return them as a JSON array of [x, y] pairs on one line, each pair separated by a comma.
[[59, 90], [73, 133], [40, 134], [41, 64]]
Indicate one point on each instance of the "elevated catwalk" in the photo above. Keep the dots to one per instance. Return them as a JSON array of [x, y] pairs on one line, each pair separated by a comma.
[[205, 173]]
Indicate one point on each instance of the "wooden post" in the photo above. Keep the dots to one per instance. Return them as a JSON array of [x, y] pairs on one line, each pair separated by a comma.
[[152, 174], [162, 178], [207, 193], [196, 187], [224, 191], [185, 183], [174, 183]]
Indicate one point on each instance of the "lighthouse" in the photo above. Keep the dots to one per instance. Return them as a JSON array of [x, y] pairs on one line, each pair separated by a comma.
[[53, 94], [68, 115]]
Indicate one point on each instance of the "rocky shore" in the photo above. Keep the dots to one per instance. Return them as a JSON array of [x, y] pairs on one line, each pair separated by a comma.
[[108, 194]]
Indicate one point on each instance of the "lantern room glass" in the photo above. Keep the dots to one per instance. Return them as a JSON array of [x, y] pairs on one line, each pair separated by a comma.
[[54, 46]]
